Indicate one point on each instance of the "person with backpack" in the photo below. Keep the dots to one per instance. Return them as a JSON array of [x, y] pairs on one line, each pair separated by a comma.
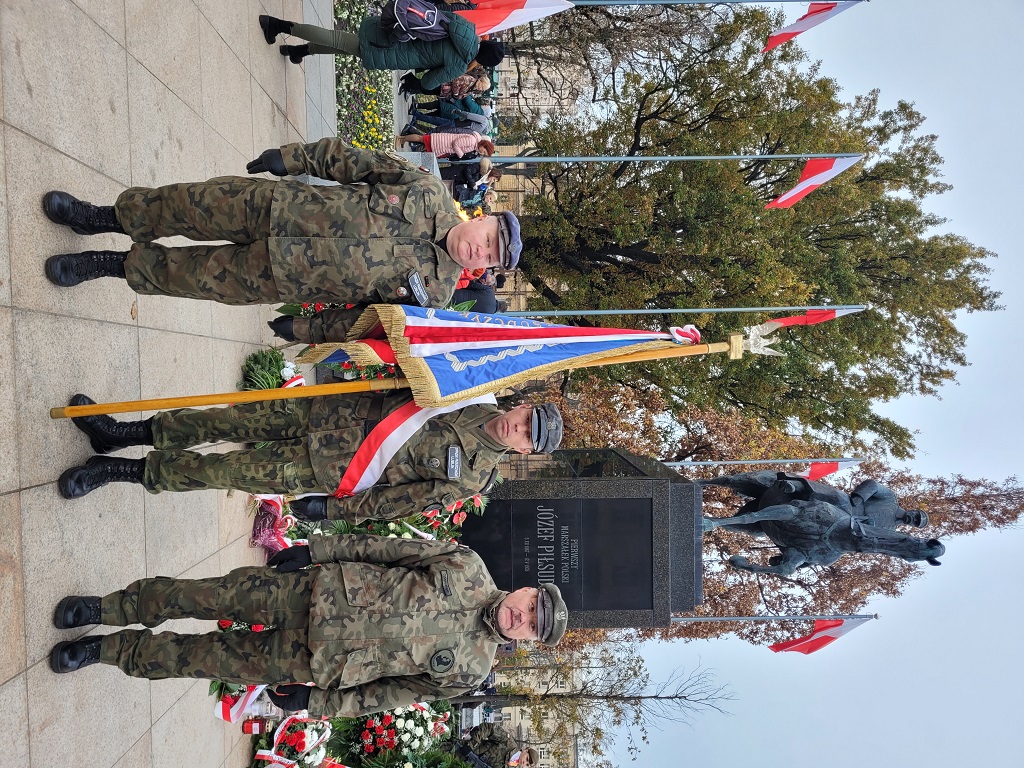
[[456, 145], [443, 58]]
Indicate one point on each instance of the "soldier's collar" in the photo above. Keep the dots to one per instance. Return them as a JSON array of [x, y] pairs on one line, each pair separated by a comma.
[[491, 615]]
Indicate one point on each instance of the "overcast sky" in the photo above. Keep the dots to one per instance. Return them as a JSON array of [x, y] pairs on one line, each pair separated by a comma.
[[939, 680]]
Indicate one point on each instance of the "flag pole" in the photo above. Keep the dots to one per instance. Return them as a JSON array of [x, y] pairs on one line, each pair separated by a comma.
[[676, 464], [688, 619], [680, 310], [535, 159], [227, 398]]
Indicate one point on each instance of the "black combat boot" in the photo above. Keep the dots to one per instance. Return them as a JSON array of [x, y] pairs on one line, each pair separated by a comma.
[[295, 53], [75, 654], [68, 269], [97, 472], [106, 434], [310, 508], [272, 27], [77, 611], [84, 218]]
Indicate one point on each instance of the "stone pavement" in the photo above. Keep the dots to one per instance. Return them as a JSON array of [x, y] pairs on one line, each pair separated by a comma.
[[98, 95]]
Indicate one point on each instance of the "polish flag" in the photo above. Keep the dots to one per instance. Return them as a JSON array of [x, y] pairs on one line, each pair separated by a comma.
[[816, 13], [825, 632], [492, 16], [820, 469], [817, 171], [812, 317]]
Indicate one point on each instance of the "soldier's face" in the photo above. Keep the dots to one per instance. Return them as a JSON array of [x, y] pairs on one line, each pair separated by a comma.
[[513, 429], [474, 244], [517, 614]]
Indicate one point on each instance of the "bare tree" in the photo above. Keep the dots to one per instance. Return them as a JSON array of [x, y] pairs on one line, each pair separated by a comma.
[[583, 696]]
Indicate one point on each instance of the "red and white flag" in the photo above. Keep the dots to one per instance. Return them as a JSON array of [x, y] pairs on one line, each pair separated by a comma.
[[811, 317], [825, 632], [492, 16], [816, 13], [817, 171], [820, 469]]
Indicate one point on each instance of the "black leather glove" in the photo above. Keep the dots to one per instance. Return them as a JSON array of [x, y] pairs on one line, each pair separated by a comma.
[[270, 161], [291, 559], [283, 327], [290, 698], [410, 84], [310, 508]]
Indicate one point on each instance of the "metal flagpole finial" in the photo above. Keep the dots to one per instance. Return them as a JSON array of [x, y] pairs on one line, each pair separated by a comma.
[[759, 340]]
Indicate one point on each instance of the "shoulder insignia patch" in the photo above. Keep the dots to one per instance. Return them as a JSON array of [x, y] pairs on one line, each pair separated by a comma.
[[442, 661]]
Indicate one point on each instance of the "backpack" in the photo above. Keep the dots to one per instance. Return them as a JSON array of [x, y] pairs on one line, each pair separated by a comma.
[[406, 20]]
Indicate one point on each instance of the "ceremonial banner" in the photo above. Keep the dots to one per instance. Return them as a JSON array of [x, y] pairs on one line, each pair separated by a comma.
[[816, 13], [817, 171], [449, 357], [492, 16]]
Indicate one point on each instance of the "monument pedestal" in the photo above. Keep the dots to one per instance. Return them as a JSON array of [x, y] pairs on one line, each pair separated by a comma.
[[617, 534]]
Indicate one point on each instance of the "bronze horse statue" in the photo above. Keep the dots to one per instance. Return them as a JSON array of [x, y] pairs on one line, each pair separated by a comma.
[[815, 524]]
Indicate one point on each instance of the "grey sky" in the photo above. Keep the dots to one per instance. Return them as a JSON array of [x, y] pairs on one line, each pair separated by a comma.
[[938, 681]]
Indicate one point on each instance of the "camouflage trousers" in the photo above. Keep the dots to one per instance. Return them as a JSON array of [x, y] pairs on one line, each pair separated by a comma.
[[230, 208], [281, 467], [255, 595]]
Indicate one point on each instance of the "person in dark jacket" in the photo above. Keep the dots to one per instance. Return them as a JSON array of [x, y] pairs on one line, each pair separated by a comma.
[[443, 59], [479, 292]]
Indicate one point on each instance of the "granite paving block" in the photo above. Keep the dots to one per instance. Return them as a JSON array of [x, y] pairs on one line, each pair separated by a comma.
[[14, 721], [46, 101], [5, 250], [9, 435], [227, 100], [189, 728], [12, 607], [164, 35]]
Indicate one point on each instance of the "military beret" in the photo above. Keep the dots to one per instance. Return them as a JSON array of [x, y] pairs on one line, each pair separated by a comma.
[[509, 241], [547, 428], [552, 615]]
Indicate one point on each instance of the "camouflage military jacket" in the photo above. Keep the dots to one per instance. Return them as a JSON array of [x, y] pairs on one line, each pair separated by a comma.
[[492, 744], [417, 475], [372, 238], [396, 621]]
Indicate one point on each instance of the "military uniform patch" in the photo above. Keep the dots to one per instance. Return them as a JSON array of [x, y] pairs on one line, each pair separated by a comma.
[[419, 290], [454, 462], [442, 661]]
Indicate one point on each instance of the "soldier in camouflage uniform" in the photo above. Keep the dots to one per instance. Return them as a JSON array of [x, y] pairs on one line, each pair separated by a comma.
[[387, 233], [313, 441], [380, 623], [493, 745]]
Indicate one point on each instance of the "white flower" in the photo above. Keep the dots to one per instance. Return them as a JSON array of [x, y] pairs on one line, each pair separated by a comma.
[[400, 722], [392, 535], [399, 711], [406, 535], [415, 744], [392, 526], [419, 731], [407, 765], [405, 737]]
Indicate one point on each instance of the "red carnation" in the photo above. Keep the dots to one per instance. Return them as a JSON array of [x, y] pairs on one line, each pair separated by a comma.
[[379, 730], [380, 742], [306, 305], [368, 748], [225, 623], [391, 744], [318, 307], [346, 365], [367, 737], [388, 719], [380, 375], [258, 627]]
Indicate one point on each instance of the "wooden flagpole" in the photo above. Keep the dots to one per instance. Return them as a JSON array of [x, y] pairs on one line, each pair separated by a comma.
[[734, 346]]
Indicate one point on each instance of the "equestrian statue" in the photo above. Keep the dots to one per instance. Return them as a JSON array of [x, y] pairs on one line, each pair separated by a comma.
[[816, 524]]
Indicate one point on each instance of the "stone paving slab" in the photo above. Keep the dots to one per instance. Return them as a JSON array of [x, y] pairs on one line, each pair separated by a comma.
[[95, 96]]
